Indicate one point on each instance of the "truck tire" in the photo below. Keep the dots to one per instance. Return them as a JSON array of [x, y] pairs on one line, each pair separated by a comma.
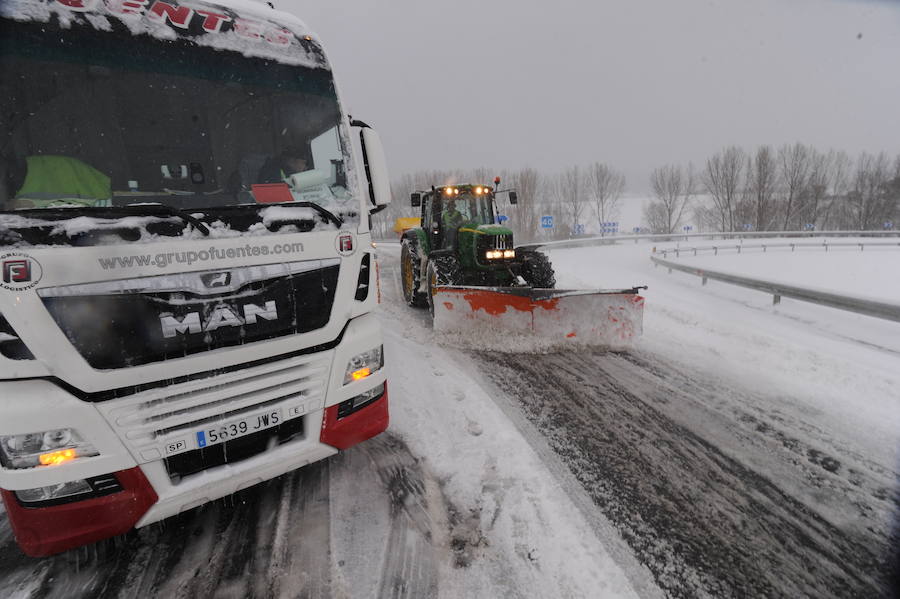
[[410, 277], [442, 270], [537, 270]]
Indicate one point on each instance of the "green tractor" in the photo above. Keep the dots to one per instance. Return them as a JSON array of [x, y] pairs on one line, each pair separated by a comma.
[[459, 244]]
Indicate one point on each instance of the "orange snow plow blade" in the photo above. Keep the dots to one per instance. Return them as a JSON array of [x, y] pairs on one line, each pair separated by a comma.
[[522, 319]]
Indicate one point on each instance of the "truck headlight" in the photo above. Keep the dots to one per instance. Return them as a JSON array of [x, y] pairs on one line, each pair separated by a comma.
[[54, 492], [46, 448], [354, 404], [365, 364]]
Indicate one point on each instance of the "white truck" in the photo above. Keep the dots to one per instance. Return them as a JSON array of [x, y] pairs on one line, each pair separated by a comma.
[[188, 279]]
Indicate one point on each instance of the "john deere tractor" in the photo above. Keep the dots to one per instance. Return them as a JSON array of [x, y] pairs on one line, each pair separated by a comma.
[[459, 244]]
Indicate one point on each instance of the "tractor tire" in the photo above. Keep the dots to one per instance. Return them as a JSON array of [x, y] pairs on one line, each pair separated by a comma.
[[443, 270], [410, 277], [537, 270]]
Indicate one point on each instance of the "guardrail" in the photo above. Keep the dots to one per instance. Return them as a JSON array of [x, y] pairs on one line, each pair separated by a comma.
[[612, 239], [739, 248], [859, 305]]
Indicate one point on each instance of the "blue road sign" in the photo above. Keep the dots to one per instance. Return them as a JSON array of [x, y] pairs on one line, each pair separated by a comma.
[[687, 228], [547, 221], [889, 225], [578, 229], [609, 227], [747, 226], [809, 226], [502, 218]]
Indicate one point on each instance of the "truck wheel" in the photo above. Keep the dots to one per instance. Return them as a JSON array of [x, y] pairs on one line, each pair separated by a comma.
[[409, 274], [443, 270], [537, 270]]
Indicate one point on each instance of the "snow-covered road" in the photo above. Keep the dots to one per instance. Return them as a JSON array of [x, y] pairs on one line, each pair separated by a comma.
[[738, 450]]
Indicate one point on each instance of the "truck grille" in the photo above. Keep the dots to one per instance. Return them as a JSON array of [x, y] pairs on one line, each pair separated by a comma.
[[163, 422], [141, 321]]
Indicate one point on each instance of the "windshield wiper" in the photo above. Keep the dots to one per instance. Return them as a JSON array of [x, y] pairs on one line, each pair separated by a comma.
[[155, 209], [165, 210], [337, 220], [325, 213]]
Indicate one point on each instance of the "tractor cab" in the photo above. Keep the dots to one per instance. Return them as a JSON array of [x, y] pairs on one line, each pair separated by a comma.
[[447, 209]]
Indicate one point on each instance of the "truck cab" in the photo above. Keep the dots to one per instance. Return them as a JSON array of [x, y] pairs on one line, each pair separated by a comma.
[[187, 268]]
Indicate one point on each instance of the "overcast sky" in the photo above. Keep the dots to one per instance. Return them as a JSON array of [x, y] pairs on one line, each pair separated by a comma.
[[635, 83]]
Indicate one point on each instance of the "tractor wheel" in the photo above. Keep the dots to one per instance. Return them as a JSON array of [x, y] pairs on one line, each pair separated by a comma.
[[443, 270], [537, 270], [409, 274]]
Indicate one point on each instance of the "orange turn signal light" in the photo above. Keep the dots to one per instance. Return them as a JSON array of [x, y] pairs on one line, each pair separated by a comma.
[[360, 374], [57, 457]]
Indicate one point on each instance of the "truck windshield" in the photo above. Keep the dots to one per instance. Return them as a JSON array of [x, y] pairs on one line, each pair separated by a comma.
[[109, 119]]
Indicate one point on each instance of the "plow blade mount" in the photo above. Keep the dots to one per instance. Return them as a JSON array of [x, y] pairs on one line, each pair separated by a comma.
[[520, 319]]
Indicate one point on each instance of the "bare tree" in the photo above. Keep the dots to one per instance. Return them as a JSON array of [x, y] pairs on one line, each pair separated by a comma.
[[834, 214], [870, 200], [723, 180], [567, 191], [794, 164], [549, 205], [672, 187], [604, 190], [762, 177], [527, 213]]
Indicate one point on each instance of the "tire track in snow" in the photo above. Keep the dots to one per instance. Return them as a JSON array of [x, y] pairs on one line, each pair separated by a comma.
[[703, 522], [273, 540]]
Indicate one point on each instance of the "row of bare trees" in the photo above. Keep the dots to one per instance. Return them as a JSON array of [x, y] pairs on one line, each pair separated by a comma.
[[793, 187]]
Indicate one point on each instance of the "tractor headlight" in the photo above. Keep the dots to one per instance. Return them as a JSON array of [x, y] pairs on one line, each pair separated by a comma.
[[509, 253], [365, 364], [47, 448]]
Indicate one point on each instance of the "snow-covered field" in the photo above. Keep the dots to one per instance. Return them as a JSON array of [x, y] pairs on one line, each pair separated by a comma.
[[858, 267]]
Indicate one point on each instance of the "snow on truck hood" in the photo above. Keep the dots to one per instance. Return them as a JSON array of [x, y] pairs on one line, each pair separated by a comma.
[[249, 28]]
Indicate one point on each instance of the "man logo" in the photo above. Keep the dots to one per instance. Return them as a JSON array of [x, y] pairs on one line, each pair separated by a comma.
[[216, 279], [20, 272]]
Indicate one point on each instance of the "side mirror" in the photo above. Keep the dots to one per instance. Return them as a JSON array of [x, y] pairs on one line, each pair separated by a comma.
[[416, 199], [513, 198], [376, 166]]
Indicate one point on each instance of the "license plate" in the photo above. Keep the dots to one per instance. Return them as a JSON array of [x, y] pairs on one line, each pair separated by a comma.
[[220, 433]]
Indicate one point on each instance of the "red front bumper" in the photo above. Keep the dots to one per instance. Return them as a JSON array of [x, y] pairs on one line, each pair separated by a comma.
[[357, 427], [44, 531]]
